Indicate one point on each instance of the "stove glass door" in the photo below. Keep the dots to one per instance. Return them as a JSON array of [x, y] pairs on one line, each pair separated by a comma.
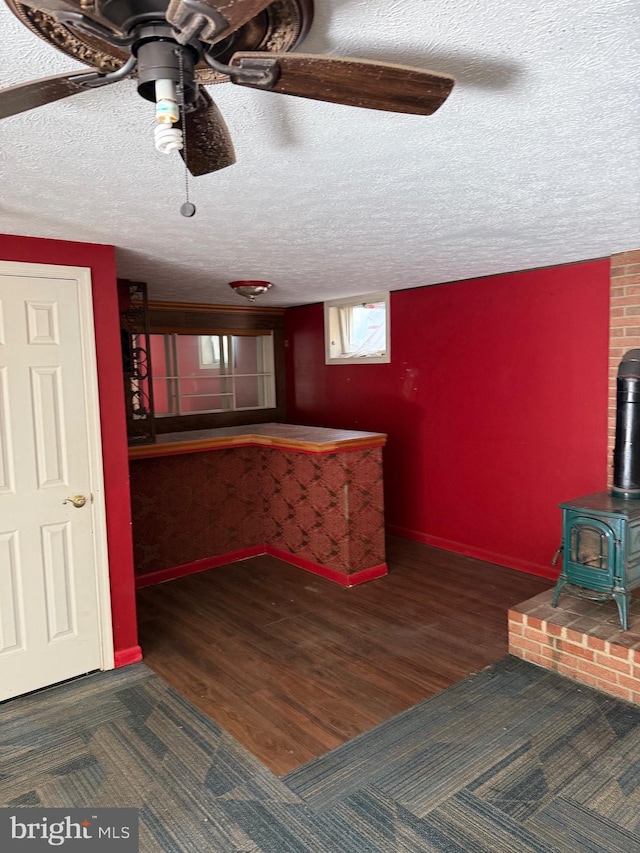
[[590, 546]]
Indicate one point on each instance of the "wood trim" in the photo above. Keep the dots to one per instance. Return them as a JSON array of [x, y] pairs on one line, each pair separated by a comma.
[[199, 319], [203, 322], [216, 420], [160, 305], [326, 572], [96, 461], [163, 575], [123, 657], [192, 330], [178, 448], [477, 553]]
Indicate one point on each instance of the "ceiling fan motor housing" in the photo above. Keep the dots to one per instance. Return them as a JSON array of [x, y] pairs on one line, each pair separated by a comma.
[[159, 58], [125, 15]]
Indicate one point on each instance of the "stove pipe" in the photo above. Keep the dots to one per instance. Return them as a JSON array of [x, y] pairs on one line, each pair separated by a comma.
[[626, 454]]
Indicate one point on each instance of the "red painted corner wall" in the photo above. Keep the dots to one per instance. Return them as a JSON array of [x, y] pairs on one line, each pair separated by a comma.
[[101, 261], [495, 406]]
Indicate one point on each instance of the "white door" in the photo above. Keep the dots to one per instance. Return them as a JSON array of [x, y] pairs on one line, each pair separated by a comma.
[[55, 620]]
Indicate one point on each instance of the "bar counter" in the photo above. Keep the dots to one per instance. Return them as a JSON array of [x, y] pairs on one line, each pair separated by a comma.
[[286, 436], [308, 495]]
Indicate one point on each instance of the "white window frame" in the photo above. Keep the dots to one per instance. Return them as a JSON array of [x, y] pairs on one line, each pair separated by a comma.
[[332, 329], [266, 371], [208, 345]]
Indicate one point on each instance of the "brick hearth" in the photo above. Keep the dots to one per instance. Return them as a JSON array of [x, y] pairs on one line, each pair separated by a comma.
[[580, 639]]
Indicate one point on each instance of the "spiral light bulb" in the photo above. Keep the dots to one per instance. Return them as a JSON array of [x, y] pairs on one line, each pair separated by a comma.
[[168, 138]]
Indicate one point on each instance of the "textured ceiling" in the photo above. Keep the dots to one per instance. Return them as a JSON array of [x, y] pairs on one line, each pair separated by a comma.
[[534, 159]]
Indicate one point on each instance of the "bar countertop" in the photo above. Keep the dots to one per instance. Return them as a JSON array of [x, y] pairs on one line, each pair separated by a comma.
[[307, 439]]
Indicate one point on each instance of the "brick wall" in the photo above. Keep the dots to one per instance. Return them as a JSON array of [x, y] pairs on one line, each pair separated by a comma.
[[624, 333], [580, 639]]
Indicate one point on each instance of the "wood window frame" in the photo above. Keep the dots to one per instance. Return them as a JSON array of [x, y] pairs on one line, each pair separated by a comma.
[[202, 319]]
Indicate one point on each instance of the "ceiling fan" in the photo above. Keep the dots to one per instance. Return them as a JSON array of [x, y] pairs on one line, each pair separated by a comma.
[[174, 48]]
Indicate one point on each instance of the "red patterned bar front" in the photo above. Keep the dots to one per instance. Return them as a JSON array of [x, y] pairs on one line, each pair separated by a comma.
[[323, 509]]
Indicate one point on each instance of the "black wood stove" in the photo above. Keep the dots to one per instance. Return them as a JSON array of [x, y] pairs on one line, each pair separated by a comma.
[[601, 532]]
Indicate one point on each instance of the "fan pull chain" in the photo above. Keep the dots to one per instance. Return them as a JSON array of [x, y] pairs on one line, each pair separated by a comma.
[[187, 209]]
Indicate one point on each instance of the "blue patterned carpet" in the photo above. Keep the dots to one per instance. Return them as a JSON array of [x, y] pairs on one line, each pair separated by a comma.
[[514, 760]]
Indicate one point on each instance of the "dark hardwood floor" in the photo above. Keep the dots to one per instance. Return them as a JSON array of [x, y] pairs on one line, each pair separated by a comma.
[[292, 665]]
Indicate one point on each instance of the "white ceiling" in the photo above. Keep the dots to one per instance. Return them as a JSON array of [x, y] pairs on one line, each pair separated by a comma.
[[534, 159]]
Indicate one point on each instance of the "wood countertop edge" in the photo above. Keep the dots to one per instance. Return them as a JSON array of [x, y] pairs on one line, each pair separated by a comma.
[[175, 448]]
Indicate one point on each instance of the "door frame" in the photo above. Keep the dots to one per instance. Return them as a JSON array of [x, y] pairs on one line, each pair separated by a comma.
[[82, 275]]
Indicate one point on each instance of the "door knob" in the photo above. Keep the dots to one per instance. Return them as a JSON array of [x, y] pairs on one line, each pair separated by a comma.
[[76, 500]]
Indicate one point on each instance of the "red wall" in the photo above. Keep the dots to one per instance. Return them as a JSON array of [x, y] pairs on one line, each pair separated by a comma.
[[495, 406], [101, 261]]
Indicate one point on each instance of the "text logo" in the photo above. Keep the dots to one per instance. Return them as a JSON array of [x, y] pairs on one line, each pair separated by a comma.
[[35, 829]]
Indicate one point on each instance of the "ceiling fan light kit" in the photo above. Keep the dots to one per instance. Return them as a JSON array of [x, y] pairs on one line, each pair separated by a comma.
[[176, 48]]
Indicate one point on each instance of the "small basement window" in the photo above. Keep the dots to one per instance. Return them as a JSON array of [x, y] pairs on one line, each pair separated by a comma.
[[356, 330]]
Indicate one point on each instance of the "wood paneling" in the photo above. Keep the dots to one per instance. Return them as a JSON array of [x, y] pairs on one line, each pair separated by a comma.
[[292, 665], [195, 318]]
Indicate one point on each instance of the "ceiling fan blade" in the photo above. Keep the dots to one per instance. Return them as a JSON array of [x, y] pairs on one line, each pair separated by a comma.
[[212, 20], [36, 93], [355, 82], [208, 145]]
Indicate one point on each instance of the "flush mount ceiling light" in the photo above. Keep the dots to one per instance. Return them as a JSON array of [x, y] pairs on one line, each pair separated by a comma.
[[250, 289]]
